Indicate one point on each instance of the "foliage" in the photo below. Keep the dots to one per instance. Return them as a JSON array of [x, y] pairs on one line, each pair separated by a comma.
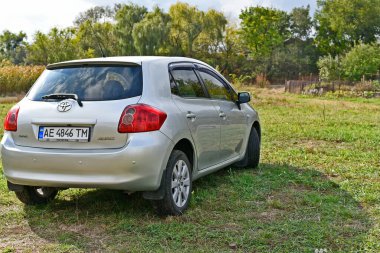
[[233, 59], [363, 60], [12, 46], [279, 43], [57, 45], [186, 26], [96, 40], [264, 29], [95, 15], [240, 80], [344, 23], [15, 80], [150, 34], [301, 23], [329, 68], [5, 62], [126, 17], [208, 43]]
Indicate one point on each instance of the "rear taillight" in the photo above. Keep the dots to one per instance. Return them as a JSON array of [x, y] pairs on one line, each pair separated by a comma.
[[141, 118], [10, 122]]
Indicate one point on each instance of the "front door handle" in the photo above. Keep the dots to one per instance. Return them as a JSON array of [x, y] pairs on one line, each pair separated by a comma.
[[190, 115], [222, 115]]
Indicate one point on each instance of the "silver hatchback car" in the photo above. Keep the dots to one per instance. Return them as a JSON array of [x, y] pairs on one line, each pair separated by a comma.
[[150, 124]]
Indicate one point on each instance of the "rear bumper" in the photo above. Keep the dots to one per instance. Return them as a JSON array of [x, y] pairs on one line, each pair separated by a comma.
[[138, 166]]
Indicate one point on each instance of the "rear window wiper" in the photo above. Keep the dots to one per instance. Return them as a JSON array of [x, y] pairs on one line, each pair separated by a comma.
[[61, 96]]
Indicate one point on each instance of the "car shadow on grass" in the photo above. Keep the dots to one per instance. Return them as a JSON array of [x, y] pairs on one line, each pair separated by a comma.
[[276, 208]]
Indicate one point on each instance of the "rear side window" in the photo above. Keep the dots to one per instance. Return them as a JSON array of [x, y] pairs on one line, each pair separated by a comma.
[[187, 83], [214, 86], [173, 86], [90, 83]]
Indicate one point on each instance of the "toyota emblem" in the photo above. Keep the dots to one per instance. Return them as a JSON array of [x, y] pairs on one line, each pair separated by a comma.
[[64, 106]]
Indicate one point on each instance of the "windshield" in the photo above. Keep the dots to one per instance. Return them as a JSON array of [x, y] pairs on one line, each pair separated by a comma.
[[90, 83]]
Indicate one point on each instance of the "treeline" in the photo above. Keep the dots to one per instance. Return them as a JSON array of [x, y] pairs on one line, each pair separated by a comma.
[[340, 41]]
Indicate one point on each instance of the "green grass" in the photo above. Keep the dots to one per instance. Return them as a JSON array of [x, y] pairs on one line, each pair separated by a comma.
[[318, 187]]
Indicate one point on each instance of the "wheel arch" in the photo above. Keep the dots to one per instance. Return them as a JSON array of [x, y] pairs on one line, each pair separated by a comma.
[[186, 147], [257, 127]]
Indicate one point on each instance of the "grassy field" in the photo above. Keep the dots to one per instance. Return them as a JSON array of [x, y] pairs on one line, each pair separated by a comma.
[[317, 187]]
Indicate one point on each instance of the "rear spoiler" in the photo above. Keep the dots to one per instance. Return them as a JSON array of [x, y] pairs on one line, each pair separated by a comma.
[[70, 64]]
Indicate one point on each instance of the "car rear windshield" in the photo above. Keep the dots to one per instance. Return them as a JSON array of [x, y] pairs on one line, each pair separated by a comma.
[[90, 83]]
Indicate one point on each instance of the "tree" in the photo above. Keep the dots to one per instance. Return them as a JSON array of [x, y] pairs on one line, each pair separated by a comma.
[[13, 46], [362, 60], [186, 26], [207, 45], [95, 15], [150, 35], [296, 58], [233, 58], [264, 30], [300, 23], [58, 45], [97, 39], [95, 33], [330, 68], [38, 51], [127, 17], [343, 23], [299, 55]]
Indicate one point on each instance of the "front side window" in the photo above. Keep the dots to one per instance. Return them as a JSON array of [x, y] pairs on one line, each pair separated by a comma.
[[90, 83], [215, 88], [187, 83]]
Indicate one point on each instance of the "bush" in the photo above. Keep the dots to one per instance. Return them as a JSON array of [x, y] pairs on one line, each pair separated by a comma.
[[364, 86], [376, 84], [15, 80], [262, 81], [241, 80], [329, 68], [362, 60]]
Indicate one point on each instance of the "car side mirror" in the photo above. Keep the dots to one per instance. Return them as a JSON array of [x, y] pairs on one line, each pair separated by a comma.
[[243, 97]]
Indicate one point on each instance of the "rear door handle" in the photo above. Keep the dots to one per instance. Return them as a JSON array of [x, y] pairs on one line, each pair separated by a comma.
[[222, 115], [190, 115]]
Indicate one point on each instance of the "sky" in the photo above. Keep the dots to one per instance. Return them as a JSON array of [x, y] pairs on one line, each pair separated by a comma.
[[30, 16]]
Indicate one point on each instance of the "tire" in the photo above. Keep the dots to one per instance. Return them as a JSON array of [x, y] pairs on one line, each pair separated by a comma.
[[31, 195], [177, 187], [252, 154]]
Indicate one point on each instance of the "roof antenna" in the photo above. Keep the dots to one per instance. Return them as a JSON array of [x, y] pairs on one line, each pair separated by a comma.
[[97, 41]]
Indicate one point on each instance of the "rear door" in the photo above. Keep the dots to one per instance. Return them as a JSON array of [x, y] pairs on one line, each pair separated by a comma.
[[199, 112], [232, 119], [104, 90]]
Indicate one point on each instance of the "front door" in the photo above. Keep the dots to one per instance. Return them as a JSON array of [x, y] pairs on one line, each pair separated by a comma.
[[233, 120]]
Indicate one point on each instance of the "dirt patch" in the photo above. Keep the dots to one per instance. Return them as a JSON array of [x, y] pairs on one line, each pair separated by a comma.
[[20, 237], [268, 216]]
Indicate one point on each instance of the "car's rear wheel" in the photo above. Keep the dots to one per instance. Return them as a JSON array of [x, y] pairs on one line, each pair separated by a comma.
[[252, 154], [31, 195], [177, 185]]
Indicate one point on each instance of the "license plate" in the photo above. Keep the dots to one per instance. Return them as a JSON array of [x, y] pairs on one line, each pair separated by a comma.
[[75, 134]]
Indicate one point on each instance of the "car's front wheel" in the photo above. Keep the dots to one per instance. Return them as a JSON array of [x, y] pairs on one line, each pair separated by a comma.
[[252, 154], [31, 195], [177, 185]]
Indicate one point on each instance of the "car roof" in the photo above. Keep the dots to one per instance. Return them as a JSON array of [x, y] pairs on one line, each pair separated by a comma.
[[133, 60]]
